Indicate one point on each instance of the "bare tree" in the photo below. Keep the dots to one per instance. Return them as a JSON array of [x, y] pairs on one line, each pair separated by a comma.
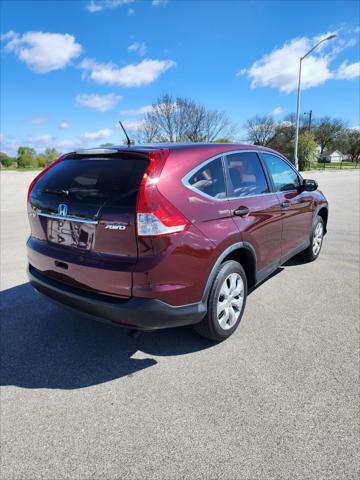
[[260, 130], [216, 123], [182, 120]]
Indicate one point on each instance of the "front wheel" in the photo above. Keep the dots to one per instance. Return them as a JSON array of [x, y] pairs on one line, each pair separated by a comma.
[[316, 240], [226, 302]]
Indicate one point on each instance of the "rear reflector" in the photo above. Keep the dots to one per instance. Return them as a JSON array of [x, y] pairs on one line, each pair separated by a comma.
[[155, 214]]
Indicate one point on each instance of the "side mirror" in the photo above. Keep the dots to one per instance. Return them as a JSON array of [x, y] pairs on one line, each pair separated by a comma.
[[310, 185]]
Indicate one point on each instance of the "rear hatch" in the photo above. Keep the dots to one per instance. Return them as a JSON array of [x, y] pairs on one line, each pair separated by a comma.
[[82, 215]]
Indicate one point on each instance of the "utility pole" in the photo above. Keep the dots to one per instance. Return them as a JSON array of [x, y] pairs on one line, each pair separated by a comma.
[[310, 118]]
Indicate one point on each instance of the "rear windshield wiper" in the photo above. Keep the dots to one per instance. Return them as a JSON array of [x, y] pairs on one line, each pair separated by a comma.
[[55, 191]]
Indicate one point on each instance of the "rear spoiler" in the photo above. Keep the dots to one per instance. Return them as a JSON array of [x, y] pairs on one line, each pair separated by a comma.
[[94, 151]]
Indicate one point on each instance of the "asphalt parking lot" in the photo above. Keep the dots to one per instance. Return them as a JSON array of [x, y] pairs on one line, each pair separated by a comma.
[[279, 400]]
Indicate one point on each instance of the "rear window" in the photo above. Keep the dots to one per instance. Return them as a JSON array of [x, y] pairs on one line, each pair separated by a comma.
[[95, 179]]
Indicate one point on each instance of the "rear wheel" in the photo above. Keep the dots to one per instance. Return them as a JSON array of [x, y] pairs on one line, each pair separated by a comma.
[[226, 302], [313, 250]]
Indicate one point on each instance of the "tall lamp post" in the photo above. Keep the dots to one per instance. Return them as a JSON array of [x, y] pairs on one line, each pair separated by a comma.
[[296, 161]]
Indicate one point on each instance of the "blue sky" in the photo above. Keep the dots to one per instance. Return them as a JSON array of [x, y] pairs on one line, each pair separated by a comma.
[[72, 69]]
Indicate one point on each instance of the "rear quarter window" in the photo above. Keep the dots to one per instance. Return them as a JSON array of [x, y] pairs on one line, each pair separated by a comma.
[[209, 179]]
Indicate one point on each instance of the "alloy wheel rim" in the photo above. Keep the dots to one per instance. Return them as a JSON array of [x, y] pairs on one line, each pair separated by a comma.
[[317, 238], [230, 301]]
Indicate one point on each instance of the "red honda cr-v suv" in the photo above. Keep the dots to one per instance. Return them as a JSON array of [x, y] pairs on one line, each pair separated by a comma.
[[167, 235]]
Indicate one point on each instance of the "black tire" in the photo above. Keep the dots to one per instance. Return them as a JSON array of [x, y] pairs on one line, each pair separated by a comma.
[[308, 254], [209, 327]]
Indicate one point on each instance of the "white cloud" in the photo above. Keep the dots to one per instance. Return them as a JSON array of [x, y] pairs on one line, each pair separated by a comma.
[[137, 111], [280, 68], [131, 11], [102, 103], [44, 52], [66, 144], [94, 7], [8, 36], [39, 120], [40, 140], [140, 48], [132, 125], [97, 5], [64, 125], [348, 71], [156, 3], [132, 75], [278, 111], [11, 144], [98, 135]]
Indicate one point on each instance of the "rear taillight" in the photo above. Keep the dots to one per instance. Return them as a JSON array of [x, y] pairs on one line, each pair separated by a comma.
[[155, 214], [52, 164]]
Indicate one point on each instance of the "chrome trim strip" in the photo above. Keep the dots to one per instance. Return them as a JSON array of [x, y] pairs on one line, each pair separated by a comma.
[[186, 178], [70, 219]]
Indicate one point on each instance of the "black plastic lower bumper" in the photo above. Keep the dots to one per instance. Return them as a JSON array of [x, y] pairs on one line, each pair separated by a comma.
[[136, 312]]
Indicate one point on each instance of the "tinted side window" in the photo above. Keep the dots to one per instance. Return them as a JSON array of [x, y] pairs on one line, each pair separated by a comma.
[[284, 177], [210, 179], [246, 175]]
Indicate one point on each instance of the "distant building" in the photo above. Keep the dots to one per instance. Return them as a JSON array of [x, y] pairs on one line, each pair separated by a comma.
[[333, 157]]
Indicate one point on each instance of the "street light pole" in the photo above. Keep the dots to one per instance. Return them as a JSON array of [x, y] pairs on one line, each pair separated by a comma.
[[296, 160]]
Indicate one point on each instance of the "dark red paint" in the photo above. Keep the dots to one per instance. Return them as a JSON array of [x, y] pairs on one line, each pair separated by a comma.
[[173, 268]]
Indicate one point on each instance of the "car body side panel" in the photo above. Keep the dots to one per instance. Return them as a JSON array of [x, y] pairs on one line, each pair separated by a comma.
[[185, 260], [174, 268], [297, 219], [262, 227]]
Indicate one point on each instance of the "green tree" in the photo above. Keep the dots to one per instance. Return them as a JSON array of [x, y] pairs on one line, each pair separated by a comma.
[[222, 140], [26, 157], [283, 138], [41, 160], [353, 149], [348, 142], [51, 154], [327, 131], [306, 149], [5, 160]]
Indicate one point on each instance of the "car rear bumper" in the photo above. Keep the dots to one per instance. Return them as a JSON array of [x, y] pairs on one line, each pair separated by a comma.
[[136, 312]]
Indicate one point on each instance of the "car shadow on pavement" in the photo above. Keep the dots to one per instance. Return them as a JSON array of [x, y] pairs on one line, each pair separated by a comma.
[[46, 346], [295, 261]]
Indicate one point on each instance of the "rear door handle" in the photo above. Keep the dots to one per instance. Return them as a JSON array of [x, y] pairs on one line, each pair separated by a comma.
[[241, 211], [285, 204]]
